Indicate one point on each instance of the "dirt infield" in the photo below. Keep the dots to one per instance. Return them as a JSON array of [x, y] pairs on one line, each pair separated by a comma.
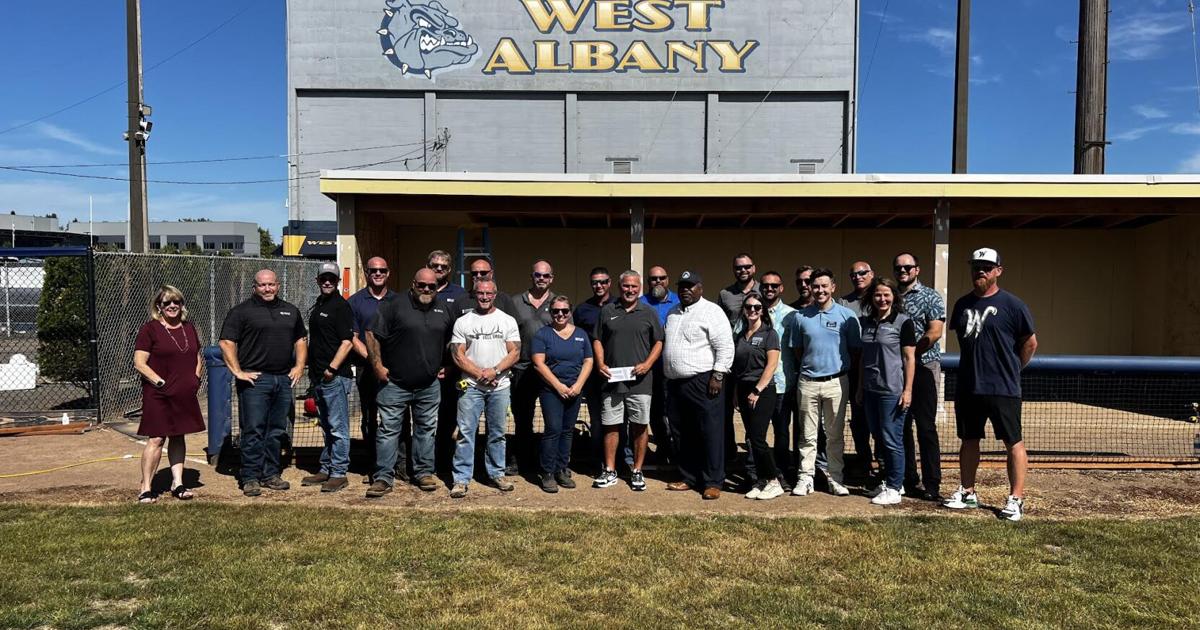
[[1051, 494]]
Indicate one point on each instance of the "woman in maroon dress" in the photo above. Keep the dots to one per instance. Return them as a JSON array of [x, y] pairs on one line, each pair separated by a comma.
[[167, 355]]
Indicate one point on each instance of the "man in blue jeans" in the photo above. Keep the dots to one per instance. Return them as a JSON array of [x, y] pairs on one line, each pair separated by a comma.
[[262, 341], [486, 343], [406, 345], [330, 331]]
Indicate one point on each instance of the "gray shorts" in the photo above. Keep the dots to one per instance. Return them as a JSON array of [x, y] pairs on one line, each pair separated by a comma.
[[617, 408]]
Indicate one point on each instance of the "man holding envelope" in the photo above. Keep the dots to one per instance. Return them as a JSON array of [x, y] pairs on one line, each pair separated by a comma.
[[626, 343]]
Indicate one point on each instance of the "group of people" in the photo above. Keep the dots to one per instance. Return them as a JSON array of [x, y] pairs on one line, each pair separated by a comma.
[[432, 360]]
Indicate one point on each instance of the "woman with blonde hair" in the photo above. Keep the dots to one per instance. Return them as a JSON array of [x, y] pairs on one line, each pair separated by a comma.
[[167, 355]]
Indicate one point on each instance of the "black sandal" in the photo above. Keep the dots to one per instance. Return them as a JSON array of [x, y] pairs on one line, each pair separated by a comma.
[[147, 497], [182, 493]]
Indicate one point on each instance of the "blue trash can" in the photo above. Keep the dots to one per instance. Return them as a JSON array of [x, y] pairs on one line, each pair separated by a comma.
[[220, 401]]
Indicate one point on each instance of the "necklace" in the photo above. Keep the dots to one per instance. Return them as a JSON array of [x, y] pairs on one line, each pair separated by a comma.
[[170, 334]]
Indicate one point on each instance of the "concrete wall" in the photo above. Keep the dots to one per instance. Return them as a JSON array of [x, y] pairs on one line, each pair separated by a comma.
[[1116, 292]]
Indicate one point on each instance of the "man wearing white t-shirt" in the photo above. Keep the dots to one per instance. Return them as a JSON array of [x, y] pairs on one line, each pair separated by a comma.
[[485, 344]]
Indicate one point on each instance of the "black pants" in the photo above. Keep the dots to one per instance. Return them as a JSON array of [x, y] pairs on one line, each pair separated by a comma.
[[660, 423], [443, 444], [698, 419], [923, 413], [860, 432], [757, 419], [521, 449], [730, 403]]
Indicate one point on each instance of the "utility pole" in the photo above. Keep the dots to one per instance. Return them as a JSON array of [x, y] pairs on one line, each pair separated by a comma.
[[962, 84], [1091, 92], [139, 131]]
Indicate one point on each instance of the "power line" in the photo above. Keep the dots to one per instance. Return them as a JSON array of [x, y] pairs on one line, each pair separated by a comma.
[[249, 5], [227, 159], [871, 59], [1195, 55]]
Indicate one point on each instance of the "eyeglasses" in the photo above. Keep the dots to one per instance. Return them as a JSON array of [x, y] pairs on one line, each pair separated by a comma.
[[860, 273], [599, 283], [984, 267], [904, 268], [438, 266], [560, 311], [752, 308], [426, 286], [658, 278], [378, 271], [171, 303], [771, 285], [481, 274], [743, 267], [539, 276]]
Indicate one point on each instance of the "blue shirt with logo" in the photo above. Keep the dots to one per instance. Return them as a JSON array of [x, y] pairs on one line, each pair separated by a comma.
[[990, 333], [824, 339], [564, 357]]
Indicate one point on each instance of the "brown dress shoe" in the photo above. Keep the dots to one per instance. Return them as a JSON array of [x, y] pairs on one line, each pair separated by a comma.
[[314, 480], [712, 494], [679, 486]]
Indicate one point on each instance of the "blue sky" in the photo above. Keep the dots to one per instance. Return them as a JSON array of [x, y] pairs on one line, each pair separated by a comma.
[[226, 97]]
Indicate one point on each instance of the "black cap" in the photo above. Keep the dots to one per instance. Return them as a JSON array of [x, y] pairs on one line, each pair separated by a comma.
[[690, 277]]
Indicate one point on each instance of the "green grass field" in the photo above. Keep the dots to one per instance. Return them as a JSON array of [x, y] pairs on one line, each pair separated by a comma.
[[213, 566]]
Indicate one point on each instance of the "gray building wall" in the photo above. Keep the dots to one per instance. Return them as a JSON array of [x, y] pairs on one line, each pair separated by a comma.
[[212, 236], [355, 81]]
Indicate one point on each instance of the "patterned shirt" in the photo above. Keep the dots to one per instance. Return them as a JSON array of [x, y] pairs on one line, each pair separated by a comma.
[[699, 340], [924, 304]]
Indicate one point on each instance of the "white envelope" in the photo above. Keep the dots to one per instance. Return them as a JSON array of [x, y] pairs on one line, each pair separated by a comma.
[[621, 374]]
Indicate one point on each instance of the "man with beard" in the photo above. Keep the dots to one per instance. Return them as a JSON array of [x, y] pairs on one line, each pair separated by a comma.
[[533, 312], [996, 340], [363, 305], [330, 330], [262, 342], [925, 307], [628, 335], [804, 296], [730, 300], [698, 355], [452, 294], [407, 349], [662, 299], [861, 277], [586, 316], [782, 319]]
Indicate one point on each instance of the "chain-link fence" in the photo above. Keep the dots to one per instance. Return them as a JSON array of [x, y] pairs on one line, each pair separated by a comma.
[[47, 355]]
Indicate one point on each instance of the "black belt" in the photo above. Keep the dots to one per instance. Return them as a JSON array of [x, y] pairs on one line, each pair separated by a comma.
[[822, 379]]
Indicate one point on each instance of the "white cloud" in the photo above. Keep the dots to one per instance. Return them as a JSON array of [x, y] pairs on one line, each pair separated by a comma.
[[1066, 33], [1149, 112], [1186, 129], [1191, 164], [941, 39], [1137, 133], [54, 132], [27, 156], [1142, 36], [66, 199], [984, 79]]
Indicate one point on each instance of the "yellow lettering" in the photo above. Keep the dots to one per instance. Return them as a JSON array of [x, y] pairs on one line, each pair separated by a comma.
[[655, 14], [676, 49], [593, 56], [609, 11], [507, 57], [546, 12], [698, 12], [547, 57], [640, 57], [733, 59]]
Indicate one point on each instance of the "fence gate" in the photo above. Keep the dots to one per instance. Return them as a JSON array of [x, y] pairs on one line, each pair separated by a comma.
[[48, 353]]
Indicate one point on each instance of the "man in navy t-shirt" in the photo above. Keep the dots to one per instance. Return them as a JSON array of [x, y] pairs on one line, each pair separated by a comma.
[[996, 340]]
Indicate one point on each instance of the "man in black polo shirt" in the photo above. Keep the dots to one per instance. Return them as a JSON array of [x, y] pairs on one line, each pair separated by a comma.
[[407, 348], [628, 335], [262, 341], [330, 331]]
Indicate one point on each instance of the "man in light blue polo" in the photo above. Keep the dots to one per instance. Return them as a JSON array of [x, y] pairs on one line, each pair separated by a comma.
[[823, 338]]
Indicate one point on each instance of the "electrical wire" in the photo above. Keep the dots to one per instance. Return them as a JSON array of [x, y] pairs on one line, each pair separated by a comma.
[[110, 88], [226, 159], [875, 47], [1195, 54]]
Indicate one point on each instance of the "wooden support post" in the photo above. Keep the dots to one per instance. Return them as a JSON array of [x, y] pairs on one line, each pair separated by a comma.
[[347, 246], [637, 236]]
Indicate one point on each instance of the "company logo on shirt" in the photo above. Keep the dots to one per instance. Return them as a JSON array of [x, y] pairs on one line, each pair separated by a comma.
[[580, 339], [975, 320], [285, 313], [323, 314], [831, 325]]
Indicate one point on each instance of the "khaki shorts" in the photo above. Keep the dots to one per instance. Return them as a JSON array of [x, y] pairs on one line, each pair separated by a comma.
[[617, 408]]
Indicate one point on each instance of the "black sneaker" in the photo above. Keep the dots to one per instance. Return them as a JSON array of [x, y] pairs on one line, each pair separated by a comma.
[[637, 481], [251, 488], [563, 477], [275, 483], [548, 483]]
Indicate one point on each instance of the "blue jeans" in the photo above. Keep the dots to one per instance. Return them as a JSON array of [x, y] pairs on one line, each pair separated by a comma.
[[263, 410], [333, 405], [472, 403], [885, 418], [558, 417], [393, 402]]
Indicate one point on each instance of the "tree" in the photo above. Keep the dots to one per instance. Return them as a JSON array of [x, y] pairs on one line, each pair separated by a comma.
[[64, 352], [266, 246]]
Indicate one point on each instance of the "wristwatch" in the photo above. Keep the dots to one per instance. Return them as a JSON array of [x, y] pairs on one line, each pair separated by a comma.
[[159, 383], [757, 391], [719, 376]]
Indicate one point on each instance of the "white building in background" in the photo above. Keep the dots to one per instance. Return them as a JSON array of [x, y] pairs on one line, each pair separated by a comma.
[[239, 238]]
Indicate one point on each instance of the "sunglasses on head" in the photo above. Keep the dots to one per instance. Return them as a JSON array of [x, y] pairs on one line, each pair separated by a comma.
[[860, 273], [378, 271], [752, 308], [426, 286], [560, 311], [171, 303], [658, 278], [743, 267]]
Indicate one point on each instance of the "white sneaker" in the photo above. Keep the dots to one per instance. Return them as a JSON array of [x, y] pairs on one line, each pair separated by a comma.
[[876, 491], [1014, 508], [770, 491], [804, 486], [887, 496], [837, 489], [754, 492], [961, 499]]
